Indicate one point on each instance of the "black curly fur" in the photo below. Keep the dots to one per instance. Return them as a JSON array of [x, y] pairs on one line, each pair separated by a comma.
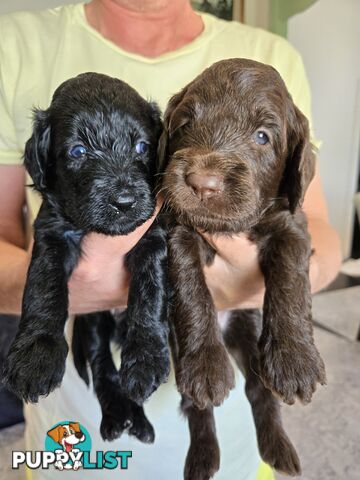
[[81, 195]]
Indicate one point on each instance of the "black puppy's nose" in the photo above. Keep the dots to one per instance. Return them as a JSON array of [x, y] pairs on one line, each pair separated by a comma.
[[122, 201], [204, 185]]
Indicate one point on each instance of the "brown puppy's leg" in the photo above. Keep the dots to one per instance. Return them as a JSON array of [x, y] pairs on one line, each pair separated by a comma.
[[241, 338], [203, 371], [290, 364], [203, 457]]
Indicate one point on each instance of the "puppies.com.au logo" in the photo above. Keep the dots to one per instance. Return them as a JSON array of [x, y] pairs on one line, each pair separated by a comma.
[[68, 447]]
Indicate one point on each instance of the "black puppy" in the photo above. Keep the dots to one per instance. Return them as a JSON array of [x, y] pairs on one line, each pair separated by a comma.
[[92, 157]]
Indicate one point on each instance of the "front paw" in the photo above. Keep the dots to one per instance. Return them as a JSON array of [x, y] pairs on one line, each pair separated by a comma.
[[206, 376], [291, 369], [143, 369], [35, 366]]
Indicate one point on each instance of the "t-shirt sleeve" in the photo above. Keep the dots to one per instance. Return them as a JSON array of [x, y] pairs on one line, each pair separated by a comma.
[[10, 153]]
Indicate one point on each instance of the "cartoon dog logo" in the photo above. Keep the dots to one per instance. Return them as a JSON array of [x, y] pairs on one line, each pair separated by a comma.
[[67, 435]]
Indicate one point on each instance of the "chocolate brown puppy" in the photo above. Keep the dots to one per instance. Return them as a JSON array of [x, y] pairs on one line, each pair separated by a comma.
[[239, 160]]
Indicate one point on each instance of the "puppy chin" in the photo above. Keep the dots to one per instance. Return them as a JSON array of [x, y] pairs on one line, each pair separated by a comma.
[[213, 224], [215, 216], [122, 224], [116, 229]]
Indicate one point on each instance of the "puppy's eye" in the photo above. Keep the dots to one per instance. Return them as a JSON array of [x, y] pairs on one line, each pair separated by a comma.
[[66, 434], [261, 138], [141, 147], [78, 151]]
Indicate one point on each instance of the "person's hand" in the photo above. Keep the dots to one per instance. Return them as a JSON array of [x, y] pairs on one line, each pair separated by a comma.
[[235, 278], [100, 281]]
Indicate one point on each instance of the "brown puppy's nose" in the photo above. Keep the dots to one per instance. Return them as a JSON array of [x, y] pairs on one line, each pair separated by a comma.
[[203, 185]]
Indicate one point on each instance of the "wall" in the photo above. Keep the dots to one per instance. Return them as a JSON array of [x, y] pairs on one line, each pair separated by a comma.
[[328, 37]]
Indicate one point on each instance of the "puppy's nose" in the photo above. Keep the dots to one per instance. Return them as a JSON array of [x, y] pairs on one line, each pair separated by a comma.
[[204, 185], [122, 201]]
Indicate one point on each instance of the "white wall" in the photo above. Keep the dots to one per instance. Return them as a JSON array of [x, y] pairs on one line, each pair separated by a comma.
[[328, 37]]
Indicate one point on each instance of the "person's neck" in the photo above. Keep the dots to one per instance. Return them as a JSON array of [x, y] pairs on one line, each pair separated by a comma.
[[146, 27]]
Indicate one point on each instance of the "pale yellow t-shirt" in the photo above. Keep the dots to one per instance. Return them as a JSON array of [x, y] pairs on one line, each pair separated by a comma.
[[38, 51]]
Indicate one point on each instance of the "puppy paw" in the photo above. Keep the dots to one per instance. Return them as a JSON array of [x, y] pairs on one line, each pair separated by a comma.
[[113, 425], [116, 409], [277, 450], [291, 370], [77, 465], [142, 370], [35, 366], [141, 427], [119, 415], [206, 376], [203, 459]]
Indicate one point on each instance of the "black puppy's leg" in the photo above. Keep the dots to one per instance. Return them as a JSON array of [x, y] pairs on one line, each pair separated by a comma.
[[241, 338], [36, 361], [145, 362], [118, 412], [290, 364]]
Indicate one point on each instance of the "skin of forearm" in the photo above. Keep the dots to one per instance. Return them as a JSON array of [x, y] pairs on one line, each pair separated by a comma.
[[326, 260], [243, 286], [232, 287], [13, 268]]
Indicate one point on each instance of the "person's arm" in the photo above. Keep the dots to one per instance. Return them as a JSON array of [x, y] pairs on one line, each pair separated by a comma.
[[13, 256], [235, 279], [100, 281]]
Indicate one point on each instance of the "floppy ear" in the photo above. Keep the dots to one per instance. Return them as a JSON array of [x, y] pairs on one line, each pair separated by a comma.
[[175, 117], [37, 149], [158, 130], [300, 162], [162, 152], [75, 426], [156, 117], [56, 433]]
